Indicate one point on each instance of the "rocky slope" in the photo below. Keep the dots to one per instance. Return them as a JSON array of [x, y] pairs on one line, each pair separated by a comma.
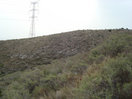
[[25, 53]]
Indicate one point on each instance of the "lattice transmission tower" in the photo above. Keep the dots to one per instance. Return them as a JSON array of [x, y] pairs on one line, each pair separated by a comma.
[[33, 17]]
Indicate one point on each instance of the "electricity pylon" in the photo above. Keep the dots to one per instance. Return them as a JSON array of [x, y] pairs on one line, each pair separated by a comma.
[[32, 34]]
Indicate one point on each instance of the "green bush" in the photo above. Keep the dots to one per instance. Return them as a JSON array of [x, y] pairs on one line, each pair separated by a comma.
[[109, 80], [1, 65], [46, 85], [117, 44], [16, 91], [95, 56], [127, 91], [120, 73], [79, 68]]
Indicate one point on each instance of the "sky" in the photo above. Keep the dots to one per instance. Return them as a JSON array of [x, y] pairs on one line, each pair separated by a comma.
[[56, 16]]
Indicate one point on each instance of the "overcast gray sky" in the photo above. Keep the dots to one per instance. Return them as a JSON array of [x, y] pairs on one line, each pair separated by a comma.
[[56, 16]]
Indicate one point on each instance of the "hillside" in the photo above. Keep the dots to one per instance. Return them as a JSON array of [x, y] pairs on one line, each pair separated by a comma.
[[25, 53], [83, 64]]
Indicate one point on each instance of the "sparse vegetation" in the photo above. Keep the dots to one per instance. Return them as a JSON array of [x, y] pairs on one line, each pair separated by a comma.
[[101, 72]]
